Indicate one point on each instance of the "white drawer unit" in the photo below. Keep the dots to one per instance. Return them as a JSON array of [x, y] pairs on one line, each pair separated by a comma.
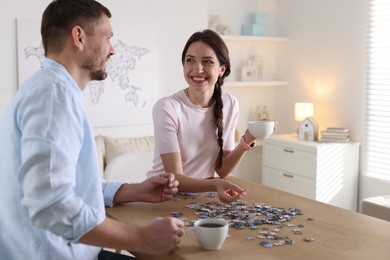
[[327, 172]]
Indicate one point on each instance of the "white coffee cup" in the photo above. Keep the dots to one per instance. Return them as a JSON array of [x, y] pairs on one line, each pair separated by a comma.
[[261, 129], [210, 233]]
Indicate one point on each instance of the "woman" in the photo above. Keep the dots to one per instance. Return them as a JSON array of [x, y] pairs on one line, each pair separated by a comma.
[[194, 128]]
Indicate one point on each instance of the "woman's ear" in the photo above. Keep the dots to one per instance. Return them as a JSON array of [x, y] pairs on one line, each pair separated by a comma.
[[222, 70]]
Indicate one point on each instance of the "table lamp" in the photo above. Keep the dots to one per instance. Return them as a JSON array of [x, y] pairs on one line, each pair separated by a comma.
[[303, 110]]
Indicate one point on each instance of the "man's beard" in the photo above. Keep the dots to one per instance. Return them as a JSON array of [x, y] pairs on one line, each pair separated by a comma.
[[98, 75], [95, 74]]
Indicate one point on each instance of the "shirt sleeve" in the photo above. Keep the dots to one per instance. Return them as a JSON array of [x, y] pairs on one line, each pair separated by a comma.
[[165, 121], [109, 191]]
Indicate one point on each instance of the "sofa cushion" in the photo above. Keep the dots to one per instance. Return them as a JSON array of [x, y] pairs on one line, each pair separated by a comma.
[[100, 152], [118, 146], [129, 167]]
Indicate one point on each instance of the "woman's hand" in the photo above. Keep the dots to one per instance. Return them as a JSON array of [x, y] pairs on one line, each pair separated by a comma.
[[228, 192], [248, 137]]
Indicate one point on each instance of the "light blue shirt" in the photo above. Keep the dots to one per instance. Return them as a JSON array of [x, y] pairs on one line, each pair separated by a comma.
[[51, 192]]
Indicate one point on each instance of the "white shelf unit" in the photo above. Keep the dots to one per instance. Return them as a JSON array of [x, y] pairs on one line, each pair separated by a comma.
[[242, 47]]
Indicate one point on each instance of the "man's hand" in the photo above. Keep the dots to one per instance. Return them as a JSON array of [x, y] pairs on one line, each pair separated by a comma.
[[159, 188], [155, 189], [163, 235]]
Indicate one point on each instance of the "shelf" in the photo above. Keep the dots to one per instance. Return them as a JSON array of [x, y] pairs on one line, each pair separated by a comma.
[[240, 84], [253, 38]]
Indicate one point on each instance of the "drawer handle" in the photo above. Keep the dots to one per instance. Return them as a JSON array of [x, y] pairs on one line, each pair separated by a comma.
[[288, 175], [288, 150]]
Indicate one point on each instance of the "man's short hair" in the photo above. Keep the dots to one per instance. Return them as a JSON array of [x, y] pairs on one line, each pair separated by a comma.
[[61, 16]]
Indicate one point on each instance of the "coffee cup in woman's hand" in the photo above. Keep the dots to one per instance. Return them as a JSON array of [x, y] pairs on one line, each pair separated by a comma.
[[261, 129]]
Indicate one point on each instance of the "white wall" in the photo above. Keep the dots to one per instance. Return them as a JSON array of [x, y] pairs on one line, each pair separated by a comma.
[[174, 21], [326, 62]]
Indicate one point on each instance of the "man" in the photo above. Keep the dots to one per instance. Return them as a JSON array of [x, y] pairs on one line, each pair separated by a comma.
[[51, 194]]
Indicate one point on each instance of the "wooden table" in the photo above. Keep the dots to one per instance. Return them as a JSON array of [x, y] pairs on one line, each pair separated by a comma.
[[338, 233]]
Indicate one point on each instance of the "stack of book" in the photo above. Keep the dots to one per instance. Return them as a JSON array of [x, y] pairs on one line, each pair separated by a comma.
[[335, 135]]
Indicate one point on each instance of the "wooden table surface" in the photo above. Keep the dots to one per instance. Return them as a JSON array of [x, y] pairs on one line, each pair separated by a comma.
[[338, 233]]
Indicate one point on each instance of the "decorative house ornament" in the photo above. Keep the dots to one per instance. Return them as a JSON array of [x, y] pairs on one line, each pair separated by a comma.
[[308, 130]]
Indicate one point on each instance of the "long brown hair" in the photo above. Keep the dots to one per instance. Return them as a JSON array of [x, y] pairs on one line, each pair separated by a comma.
[[212, 39]]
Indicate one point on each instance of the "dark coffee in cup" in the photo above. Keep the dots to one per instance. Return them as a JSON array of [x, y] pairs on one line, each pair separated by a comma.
[[211, 225]]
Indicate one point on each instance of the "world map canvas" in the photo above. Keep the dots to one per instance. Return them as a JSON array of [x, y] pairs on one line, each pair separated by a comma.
[[126, 97]]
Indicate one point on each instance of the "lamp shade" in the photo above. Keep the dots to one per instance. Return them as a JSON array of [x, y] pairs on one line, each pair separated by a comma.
[[303, 110]]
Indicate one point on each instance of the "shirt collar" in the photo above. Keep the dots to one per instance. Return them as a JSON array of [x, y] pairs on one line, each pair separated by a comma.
[[59, 68]]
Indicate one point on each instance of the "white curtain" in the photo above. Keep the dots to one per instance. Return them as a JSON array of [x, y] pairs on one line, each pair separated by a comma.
[[377, 121]]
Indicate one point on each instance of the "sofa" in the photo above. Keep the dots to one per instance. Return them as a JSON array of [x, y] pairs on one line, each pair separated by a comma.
[[124, 159]]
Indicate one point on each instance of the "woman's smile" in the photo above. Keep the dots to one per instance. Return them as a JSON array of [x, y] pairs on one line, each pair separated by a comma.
[[198, 79]]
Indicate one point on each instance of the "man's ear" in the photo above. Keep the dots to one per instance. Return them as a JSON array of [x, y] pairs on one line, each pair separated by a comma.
[[78, 37]]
